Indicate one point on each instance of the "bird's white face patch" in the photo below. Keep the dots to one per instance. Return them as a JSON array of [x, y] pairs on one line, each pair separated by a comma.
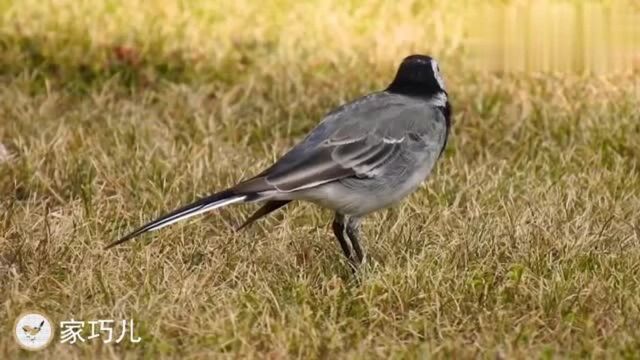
[[436, 73]]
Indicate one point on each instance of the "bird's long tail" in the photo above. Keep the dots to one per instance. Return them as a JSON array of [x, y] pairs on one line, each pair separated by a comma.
[[208, 203]]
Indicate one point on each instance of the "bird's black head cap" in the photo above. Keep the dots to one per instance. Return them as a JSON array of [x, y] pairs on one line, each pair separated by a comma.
[[418, 75]]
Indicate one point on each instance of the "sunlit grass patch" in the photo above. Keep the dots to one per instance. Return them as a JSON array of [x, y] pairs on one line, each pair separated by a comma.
[[524, 242]]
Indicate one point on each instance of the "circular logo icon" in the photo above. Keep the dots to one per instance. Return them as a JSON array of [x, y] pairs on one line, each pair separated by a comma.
[[33, 331]]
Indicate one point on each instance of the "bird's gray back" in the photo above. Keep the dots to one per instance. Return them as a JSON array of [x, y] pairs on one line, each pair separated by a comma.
[[382, 116]]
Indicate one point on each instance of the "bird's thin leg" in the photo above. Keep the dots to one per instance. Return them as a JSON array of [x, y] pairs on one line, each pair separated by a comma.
[[352, 234], [339, 231]]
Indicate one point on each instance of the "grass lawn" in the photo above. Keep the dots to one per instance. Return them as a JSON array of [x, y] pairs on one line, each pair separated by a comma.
[[525, 241]]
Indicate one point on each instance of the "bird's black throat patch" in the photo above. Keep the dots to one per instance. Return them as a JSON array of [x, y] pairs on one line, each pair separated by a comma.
[[446, 111]]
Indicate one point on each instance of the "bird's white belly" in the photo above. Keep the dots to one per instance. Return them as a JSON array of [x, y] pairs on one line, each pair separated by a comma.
[[357, 201]]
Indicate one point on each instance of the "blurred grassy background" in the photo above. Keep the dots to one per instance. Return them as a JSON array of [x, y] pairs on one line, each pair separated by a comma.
[[524, 242], [172, 37], [597, 37]]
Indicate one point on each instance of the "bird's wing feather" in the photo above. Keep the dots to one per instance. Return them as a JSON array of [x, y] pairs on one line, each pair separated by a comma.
[[333, 161], [354, 140]]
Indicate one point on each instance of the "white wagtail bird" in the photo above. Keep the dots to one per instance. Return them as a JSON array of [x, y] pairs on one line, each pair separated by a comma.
[[363, 156]]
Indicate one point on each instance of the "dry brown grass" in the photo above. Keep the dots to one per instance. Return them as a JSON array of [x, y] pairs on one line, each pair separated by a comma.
[[525, 242]]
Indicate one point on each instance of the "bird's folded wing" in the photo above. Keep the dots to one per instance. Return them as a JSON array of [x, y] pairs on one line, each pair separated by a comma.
[[333, 160], [355, 140]]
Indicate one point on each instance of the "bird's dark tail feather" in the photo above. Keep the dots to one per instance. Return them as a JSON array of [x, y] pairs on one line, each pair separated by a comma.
[[265, 209], [208, 203]]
